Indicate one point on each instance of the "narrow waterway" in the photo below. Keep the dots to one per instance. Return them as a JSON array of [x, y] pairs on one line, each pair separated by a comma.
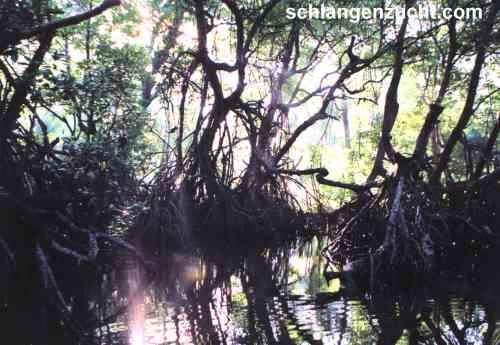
[[279, 296]]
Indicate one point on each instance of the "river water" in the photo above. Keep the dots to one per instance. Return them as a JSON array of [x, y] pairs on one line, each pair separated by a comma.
[[279, 296]]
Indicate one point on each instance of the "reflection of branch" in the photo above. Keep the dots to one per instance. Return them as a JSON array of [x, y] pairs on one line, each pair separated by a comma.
[[436, 333], [292, 319]]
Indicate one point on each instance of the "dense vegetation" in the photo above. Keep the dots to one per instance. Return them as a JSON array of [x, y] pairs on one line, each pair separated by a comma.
[[175, 121]]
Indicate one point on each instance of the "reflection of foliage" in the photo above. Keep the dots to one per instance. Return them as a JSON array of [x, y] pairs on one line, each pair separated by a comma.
[[245, 292]]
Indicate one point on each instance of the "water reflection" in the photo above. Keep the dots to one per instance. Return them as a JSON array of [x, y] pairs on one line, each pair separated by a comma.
[[279, 296]]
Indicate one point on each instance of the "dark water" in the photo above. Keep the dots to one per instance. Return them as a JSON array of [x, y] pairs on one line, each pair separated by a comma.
[[279, 296]]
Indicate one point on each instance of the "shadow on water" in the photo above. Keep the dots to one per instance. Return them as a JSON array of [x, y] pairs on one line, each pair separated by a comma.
[[279, 296]]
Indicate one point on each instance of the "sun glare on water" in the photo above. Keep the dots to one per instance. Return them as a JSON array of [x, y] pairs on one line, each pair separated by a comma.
[[136, 339]]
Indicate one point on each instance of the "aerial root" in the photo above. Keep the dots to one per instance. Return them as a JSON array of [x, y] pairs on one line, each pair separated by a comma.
[[405, 232]]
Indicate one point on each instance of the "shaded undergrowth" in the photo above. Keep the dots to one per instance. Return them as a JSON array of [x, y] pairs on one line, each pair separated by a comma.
[[401, 236]]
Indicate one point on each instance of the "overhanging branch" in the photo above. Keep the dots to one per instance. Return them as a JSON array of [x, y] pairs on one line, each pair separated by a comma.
[[61, 23], [320, 177]]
